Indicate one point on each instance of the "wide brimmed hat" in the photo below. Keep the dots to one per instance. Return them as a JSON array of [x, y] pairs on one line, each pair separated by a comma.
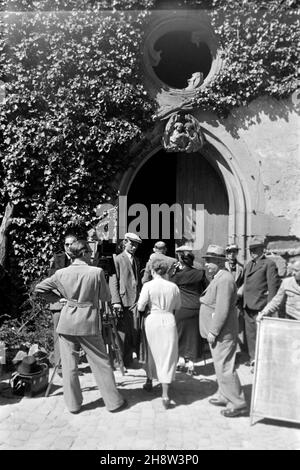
[[133, 237], [29, 366], [232, 247], [256, 242], [215, 251]]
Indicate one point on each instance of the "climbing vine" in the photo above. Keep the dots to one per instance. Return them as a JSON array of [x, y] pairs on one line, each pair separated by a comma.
[[75, 101]]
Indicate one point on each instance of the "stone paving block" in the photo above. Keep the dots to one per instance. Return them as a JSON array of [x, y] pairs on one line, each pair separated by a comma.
[[62, 443]]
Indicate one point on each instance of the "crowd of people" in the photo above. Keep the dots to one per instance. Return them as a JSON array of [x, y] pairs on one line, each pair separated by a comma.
[[174, 310]]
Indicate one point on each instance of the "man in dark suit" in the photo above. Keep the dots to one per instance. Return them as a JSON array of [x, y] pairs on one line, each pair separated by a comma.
[[261, 282], [125, 287], [61, 259], [219, 324]]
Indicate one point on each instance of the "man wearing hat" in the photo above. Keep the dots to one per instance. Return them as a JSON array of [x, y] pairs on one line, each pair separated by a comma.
[[261, 282], [125, 286], [237, 271], [219, 325], [160, 250]]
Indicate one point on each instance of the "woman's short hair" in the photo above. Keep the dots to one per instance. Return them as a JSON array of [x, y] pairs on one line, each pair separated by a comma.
[[159, 266], [78, 249], [187, 258]]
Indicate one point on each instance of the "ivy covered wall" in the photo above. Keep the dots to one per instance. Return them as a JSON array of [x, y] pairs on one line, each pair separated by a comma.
[[75, 101]]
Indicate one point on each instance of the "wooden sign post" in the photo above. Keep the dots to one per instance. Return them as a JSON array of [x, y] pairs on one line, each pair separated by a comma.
[[276, 386]]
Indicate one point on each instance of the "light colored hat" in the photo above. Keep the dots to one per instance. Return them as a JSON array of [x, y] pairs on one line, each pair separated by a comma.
[[133, 237], [256, 242], [232, 247], [215, 251], [184, 248]]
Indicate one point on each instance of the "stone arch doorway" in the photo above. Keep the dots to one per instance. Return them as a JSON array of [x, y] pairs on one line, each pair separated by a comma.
[[200, 178], [220, 187]]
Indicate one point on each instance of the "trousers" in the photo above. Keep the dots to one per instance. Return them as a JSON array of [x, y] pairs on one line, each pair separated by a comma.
[[130, 333], [230, 390], [98, 360]]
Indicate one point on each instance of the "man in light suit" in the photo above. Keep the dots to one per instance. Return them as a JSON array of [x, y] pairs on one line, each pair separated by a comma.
[[219, 325], [125, 287], [82, 287], [261, 282]]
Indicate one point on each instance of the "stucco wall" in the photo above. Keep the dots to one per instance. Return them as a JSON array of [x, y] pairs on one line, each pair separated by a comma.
[[264, 141]]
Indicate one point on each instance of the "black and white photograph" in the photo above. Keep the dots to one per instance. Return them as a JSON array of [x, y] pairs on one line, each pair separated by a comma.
[[149, 228]]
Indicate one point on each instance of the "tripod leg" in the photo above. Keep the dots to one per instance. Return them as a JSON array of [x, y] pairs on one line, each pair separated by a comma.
[[117, 347], [52, 378]]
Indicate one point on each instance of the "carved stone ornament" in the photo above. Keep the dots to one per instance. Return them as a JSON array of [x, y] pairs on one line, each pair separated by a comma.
[[183, 134]]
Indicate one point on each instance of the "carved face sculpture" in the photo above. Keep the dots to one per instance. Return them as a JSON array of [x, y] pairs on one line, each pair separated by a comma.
[[178, 127]]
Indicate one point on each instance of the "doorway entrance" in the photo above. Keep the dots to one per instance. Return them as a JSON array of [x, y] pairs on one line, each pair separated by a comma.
[[169, 178]]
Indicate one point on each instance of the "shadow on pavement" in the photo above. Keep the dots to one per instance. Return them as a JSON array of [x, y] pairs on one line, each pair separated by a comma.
[[6, 395], [275, 422]]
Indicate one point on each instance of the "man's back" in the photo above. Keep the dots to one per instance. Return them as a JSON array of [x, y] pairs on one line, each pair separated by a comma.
[[82, 282]]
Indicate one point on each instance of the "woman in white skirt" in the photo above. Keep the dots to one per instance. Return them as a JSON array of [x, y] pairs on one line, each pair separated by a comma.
[[162, 298]]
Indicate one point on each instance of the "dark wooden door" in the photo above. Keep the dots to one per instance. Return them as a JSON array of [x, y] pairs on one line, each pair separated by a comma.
[[197, 182]]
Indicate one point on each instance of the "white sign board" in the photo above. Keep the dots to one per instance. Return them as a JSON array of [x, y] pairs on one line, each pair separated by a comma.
[[276, 387]]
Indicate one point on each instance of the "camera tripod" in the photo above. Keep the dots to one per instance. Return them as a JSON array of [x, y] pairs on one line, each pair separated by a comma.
[[111, 338]]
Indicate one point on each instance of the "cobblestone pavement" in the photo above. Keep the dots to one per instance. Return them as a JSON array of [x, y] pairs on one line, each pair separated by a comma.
[[192, 424]]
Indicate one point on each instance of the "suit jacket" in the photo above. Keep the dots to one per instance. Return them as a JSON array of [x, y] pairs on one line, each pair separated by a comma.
[[218, 313], [124, 287], [238, 273], [84, 287], [171, 262], [59, 261], [261, 282], [191, 282]]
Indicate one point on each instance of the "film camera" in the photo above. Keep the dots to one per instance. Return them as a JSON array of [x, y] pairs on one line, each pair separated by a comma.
[[103, 257]]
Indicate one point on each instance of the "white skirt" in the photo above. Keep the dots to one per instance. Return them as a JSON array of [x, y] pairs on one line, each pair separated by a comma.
[[162, 338]]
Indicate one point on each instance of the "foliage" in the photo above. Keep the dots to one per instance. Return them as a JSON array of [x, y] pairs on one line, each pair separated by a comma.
[[75, 101], [33, 326], [260, 45], [74, 105]]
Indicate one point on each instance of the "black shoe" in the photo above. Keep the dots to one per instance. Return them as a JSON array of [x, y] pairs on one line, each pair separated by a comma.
[[217, 402], [75, 412], [230, 413], [148, 386], [121, 407], [166, 403]]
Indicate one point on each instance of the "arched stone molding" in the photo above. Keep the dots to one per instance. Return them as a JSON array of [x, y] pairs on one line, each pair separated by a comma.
[[222, 160]]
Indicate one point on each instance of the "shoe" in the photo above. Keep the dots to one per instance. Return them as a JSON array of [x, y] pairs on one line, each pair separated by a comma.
[[75, 412], [249, 363], [148, 386], [120, 408], [180, 364], [166, 403], [230, 413], [217, 402]]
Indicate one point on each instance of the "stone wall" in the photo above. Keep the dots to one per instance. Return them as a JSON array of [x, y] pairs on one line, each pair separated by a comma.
[[264, 140]]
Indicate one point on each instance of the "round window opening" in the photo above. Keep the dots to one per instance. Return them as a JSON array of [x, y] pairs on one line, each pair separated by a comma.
[[184, 62]]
